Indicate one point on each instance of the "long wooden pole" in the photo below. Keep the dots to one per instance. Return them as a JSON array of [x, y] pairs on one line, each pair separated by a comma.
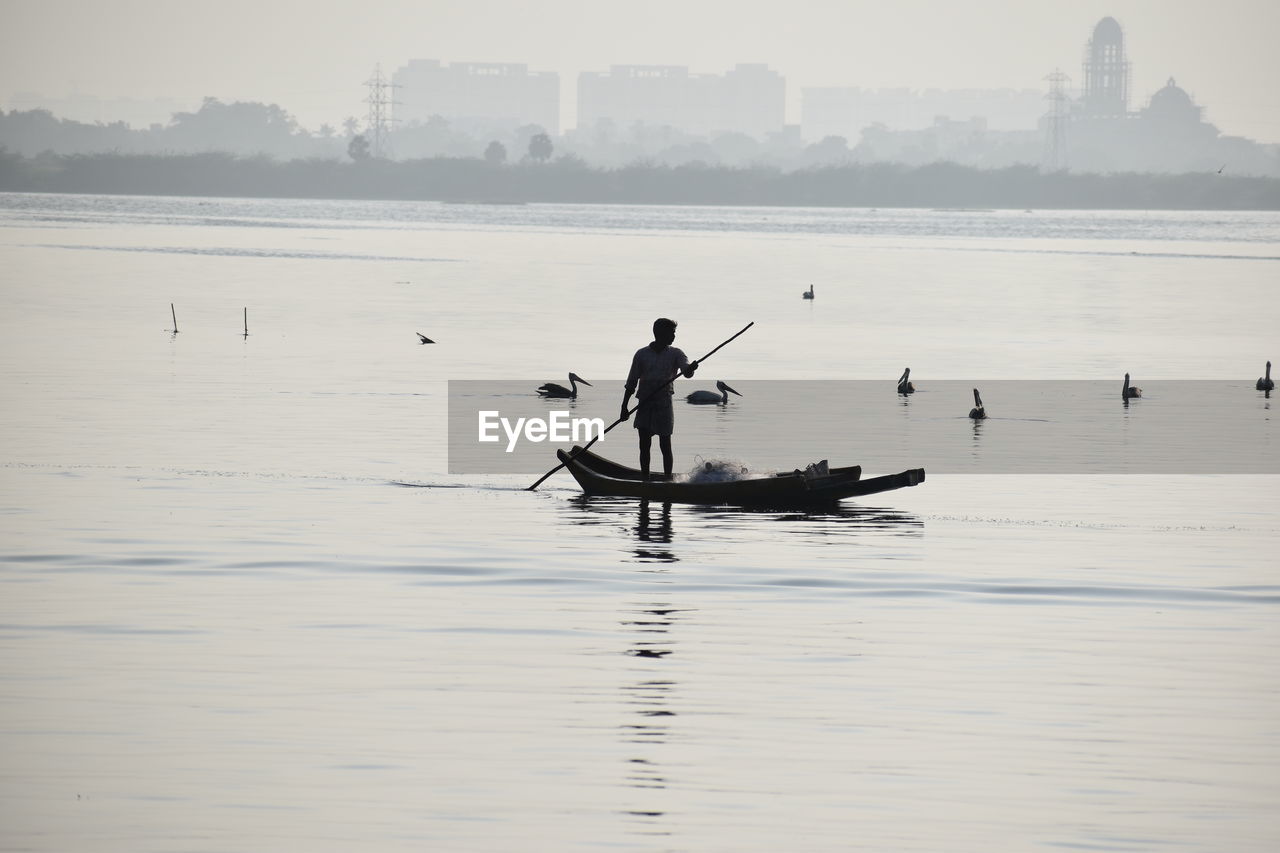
[[631, 411], [175, 318]]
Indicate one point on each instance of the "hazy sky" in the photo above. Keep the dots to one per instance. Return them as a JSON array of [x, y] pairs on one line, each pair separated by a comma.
[[312, 56]]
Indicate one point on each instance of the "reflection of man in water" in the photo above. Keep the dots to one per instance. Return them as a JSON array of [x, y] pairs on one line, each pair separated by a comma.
[[651, 367]]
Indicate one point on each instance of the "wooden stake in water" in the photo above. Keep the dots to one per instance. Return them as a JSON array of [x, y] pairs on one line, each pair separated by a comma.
[[175, 318], [246, 322]]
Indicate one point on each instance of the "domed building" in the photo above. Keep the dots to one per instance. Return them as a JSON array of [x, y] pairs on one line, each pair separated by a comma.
[[1174, 135], [1169, 134], [1172, 106]]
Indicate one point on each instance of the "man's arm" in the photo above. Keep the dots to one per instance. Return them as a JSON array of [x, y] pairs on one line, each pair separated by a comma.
[[633, 376], [686, 367]]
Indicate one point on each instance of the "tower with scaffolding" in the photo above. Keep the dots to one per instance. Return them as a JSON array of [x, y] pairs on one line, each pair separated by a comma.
[[1106, 73], [378, 121]]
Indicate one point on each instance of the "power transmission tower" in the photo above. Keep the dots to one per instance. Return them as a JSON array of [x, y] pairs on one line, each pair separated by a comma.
[[1056, 121], [379, 118]]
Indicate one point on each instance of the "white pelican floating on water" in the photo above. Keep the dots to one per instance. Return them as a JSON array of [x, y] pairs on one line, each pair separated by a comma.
[[1266, 383], [425, 339], [551, 389], [904, 384], [808, 294], [1129, 392], [712, 396], [977, 412]]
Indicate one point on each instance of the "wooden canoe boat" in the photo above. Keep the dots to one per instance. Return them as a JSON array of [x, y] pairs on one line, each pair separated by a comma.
[[600, 476]]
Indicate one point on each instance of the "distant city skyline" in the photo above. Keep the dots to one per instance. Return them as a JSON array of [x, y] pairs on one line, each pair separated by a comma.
[[311, 58]]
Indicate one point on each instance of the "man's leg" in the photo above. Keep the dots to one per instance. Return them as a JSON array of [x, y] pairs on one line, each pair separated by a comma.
[[668, 458], [646, 448]]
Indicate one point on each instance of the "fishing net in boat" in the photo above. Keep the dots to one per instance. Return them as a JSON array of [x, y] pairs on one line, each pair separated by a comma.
[[721, 471], [725, 470], [816, 469]]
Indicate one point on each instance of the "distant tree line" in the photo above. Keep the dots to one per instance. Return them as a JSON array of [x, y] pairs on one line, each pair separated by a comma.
[[240, 127], [251, 129], [568, 179]]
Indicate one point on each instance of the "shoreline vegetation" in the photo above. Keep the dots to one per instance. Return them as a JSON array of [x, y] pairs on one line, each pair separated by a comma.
[[569, 179]]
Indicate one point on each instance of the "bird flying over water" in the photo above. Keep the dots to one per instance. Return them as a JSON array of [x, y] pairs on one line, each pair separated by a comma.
[[1266, 383], [977, 412], [551, 389], [712, 396], [425, 339], [904, 383]]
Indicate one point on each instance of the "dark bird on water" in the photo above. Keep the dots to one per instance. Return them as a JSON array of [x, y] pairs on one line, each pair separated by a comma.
[[1265, 383], [551, 389], [808, 294], [425, 339], [977, 412], [904, 383], [712, 396], [1129, 392]]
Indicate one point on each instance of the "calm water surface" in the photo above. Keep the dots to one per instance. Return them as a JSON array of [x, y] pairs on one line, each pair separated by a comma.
[[227, 623]]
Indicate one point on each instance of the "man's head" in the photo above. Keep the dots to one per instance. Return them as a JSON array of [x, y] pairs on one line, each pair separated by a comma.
[[664, 331]]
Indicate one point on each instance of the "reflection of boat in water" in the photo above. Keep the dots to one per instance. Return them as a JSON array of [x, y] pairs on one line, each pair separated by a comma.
[[817, 519], [600, 476]]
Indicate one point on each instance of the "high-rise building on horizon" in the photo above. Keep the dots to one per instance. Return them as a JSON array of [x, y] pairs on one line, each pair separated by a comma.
[[749, 99], [845, 111], [477, 96]]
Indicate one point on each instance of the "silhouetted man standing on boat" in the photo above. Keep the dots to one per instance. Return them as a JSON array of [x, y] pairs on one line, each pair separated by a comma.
[[652, 367]]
